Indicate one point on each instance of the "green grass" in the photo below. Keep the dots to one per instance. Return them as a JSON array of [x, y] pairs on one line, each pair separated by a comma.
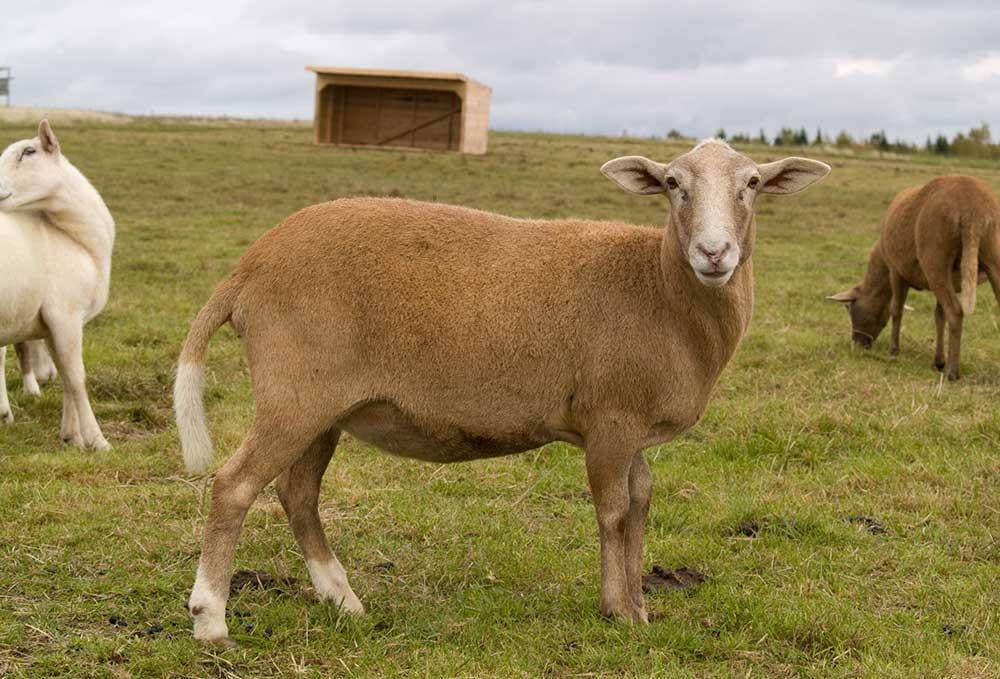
[[494, 567]]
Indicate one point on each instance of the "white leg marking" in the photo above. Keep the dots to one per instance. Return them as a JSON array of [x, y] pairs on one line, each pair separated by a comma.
[[330, 582], [209, 610]]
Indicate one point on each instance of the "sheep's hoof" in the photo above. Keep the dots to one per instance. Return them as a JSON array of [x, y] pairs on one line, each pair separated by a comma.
[[222, 642], [97, 444], [939, 366], [74, 440], [642, 617], [952, 376], [632, 615], [211, 631]]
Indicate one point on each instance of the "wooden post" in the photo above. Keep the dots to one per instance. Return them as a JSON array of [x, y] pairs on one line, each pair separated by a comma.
[[451, 122], [413, 133], [342, 95]]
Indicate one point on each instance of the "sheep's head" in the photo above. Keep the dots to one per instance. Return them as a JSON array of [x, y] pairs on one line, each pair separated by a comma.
[[712, 190], [28, 170], [869, 313]]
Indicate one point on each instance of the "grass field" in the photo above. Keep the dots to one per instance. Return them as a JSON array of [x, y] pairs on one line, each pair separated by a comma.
[[490, 568]]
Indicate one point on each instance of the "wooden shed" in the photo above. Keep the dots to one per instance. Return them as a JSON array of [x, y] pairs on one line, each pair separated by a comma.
[[408, 109]]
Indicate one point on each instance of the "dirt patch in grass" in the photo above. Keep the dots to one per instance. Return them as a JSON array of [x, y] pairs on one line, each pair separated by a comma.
[[259, 580], [667, 579], [870, 524]]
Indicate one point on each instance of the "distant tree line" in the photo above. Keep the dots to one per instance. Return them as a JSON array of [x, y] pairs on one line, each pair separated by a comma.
[[977, 143]]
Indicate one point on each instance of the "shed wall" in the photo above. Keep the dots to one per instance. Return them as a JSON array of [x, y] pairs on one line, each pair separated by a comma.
[[405, 112]]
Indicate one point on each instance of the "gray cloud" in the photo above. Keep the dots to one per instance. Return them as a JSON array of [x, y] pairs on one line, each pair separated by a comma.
[[913, 68]]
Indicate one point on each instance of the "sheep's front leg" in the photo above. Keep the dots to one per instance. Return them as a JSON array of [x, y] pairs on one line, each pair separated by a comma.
[[6, 416], [79, 424], [609, 463], [899, 292]]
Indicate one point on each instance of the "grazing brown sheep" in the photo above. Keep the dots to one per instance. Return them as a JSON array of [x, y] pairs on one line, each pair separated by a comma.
[[940, 236], [448, 334]]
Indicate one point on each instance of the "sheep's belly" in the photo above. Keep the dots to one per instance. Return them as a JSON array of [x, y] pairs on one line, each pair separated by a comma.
[[391, 429]]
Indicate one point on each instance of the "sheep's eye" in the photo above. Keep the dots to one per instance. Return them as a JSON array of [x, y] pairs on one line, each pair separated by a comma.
[[671, 183], [28, 150], [754, 181]]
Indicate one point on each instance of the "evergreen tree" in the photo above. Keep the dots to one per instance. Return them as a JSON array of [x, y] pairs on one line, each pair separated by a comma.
[[844, 140], [818, 141], [879, 141], [721, 134]]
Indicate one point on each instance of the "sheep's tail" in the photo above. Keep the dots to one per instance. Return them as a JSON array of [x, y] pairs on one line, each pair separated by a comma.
[[189, 407], [969, 268]]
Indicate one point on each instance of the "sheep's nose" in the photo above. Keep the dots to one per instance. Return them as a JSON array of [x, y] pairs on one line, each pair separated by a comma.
[[715, 253]]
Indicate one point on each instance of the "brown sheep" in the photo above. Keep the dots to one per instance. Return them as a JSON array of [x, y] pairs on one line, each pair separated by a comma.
[[448, 334], [941, 236]]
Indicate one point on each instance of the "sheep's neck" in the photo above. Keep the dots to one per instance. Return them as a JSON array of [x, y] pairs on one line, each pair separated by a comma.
[[727, 309], [876, 285], [78, 211]]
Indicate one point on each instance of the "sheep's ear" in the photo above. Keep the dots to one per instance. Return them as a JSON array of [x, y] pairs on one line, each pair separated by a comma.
[[846, 296], [48, 138], [636, 174], [791, 174]]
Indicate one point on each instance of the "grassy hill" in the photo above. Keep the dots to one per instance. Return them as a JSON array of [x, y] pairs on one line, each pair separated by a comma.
[[807, 450]]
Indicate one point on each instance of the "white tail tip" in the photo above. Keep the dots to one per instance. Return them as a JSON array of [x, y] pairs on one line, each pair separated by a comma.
[[189, 409]]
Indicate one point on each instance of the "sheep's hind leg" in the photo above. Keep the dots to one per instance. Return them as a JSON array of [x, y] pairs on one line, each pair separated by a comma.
[[6, 416], [298, 489], [28, 377], [952, 311], [41, 362], [267, 450], [939, 336]]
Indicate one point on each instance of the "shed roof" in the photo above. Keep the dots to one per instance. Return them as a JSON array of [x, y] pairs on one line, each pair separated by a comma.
[[385, 73]]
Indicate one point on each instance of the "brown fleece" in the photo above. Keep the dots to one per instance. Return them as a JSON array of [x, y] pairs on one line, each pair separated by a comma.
[[942, 236]]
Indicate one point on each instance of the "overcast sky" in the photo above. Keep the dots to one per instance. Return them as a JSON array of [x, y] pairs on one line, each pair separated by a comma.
[[913, 67]]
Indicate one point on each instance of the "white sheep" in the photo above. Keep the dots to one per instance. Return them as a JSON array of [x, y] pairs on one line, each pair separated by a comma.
[[58, 236], [447, 334]]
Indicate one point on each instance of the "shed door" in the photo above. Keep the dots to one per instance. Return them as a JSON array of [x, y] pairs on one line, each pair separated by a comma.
[[385, 116]]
